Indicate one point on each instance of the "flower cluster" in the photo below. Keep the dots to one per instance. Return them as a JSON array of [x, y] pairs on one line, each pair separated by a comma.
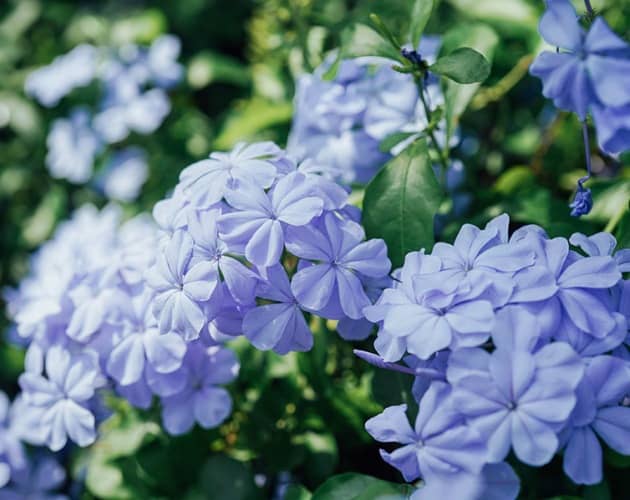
[[340, 123], [518, 343], [85, 313], [134, 81], [251, 241], [589, 72], [22, 476]]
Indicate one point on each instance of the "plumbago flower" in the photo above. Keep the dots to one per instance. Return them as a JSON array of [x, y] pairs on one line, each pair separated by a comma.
[[135, 81], [61, 397], [39, 479], [235, 225], [142, 349], [340, 123], [199, 399], [72, 147], [543, 371], [86, 314], [12, 454], [590, 72], [598, 413]]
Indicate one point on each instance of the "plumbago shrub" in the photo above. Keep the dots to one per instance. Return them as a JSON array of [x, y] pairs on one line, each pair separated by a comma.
[[331, 320]]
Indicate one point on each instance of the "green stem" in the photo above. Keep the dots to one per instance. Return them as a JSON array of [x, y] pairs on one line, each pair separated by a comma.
[[441, 154]]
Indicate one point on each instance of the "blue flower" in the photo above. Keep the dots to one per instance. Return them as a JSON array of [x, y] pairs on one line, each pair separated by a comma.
[[440, 442], [61, 397], [204, 183], [75, 69], [181, 289], [161, 60], [39, 479], [141, 344], [332, 286], [340, 123], [598, 413], [496, 482], [12, 454], [279, 325], [613, 127], [72, 147], [124, 174], [573, 295], [481, 262], [258, 223], [593, 68], [200, 400], [214, 252], [520, 399], [582, 203], [131, 111], [589, 74]]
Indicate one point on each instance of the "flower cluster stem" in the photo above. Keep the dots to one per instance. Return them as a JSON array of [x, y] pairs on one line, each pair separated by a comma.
[[431, 133], [589, 7], [587, 152]]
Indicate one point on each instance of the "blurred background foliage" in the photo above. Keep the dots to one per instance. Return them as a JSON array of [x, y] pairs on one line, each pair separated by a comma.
[[298, 419]]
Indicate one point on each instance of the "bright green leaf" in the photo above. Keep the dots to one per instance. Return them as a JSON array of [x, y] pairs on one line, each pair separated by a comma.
[[297, 492], [484, 40], [394, 139], [623, 231], [420, 14], [352, 486], [208, 67], [143, 27], [106, 480], [384, 31], [609, 197], [250, 119], [401, 202], [515, 179], [361, 40], [463, 65], [518, 14]]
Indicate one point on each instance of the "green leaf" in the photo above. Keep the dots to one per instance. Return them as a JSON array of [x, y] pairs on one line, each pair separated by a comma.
[[106, 480], [353, 486], [207, 67], [420, 14], [599, 491], [617, 459], [515, 179], [297, 492], [484, 40], [122, 435], [361, 40], [518, 14], [391, 388], [394, 139], [322, 454], [224, 477], [623, 231], [384, 31], [401, 202], [463, 65], [143, 27], [249, 120], [609, 197]]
